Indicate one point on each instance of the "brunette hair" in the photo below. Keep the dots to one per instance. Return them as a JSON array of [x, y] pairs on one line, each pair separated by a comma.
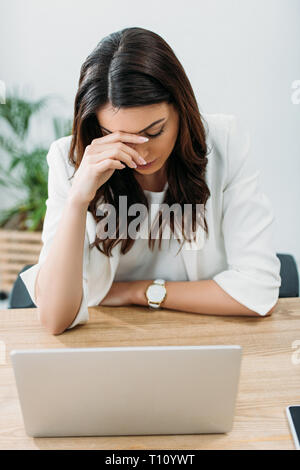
[[136, 67]]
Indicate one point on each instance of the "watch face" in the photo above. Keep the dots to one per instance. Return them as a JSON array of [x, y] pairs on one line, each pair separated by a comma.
[[156, 293]]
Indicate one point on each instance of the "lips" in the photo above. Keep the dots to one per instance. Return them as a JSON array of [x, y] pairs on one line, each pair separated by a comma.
[[146, 166]]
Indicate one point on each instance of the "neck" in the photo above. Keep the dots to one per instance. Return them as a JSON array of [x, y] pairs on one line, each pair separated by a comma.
[[155, 182]]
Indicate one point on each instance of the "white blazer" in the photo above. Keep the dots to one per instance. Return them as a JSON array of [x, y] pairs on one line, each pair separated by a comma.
[[239, 253]]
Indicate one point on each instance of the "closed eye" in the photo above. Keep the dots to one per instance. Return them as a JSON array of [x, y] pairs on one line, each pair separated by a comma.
[[146, 133], [155, 135]]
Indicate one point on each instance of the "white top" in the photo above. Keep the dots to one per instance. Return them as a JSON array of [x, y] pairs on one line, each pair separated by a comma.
[[142, 263], [238, 254]]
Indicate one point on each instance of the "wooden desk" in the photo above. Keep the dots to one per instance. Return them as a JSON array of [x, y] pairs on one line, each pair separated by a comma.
[[269, 381]]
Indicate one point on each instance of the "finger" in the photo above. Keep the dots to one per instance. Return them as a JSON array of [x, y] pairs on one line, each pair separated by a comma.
[[121, 136], [114, 154], [97, 147], [109, 164]]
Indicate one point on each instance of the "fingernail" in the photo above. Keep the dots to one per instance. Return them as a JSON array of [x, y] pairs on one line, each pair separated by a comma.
[[134, 165], [143, 139], [142, 161]]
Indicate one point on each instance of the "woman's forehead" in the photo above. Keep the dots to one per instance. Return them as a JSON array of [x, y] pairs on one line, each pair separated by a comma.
[[132, 120]]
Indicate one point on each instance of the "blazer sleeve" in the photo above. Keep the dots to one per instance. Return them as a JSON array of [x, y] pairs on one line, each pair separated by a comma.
[[58, 187], [252, 276]]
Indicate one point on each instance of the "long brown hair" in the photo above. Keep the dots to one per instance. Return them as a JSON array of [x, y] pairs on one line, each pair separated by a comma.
[[136, 67]]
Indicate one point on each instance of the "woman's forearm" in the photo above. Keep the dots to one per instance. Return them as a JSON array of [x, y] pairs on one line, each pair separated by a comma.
[[204, 296], [59, 281]]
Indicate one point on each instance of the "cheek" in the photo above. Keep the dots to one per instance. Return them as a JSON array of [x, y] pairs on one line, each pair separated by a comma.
[[162, 147], [167, 147]]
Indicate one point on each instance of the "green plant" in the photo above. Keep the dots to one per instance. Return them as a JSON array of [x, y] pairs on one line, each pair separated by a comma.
[[26, 169]]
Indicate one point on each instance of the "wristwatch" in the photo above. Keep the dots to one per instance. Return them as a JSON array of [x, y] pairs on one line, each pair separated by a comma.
[[156, 293]]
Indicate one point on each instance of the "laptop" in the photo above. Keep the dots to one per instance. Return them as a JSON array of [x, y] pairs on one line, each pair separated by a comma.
[[138, 390]]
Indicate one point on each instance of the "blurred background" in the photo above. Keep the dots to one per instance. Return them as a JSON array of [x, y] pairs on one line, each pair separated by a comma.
[[241, 56]]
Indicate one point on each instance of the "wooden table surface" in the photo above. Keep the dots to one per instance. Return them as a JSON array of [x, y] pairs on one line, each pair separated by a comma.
[[269, 380]]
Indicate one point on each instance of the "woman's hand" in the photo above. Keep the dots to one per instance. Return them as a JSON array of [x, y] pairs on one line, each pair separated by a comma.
[[101, 158], [119, 294]]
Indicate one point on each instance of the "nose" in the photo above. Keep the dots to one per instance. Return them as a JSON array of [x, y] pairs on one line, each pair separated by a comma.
[[139, 149]]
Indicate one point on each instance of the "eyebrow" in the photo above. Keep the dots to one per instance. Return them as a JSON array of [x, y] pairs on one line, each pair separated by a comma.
[[148, 127]]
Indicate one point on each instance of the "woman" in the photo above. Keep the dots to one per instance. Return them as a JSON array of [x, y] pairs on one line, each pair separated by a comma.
[[132, 86]]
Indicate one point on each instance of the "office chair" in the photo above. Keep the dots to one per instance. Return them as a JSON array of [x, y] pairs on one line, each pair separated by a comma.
[[20, 298], [289, 276]]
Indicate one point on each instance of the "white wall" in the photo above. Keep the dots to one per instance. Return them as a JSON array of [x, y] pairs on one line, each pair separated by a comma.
[[241, 56]]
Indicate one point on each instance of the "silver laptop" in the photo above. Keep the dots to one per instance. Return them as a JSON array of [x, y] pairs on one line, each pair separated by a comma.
[[127, 390]]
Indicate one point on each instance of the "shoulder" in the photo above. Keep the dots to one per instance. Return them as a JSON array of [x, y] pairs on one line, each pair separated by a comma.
[[224, 130], [63, 143], [57, 156], [228, 144], [218, 126], [61, 147]]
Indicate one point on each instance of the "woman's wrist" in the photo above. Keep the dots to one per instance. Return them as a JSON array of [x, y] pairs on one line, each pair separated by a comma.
[[75, 202], [138, 292]]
